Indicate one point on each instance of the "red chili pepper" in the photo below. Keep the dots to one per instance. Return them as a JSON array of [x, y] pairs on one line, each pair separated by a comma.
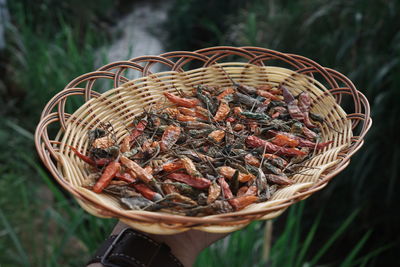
[[147, 192], [187, 111], [107, 176], [228, 91], [222, 112], [269, 95], [202, 113], [125, 146], [137, 169], [279, 179], [253, 141], [295, 111], [242, 191], [181, 117], [275, 157], [275, 115], [230, 119], [284, 140], [242, 202], [302, 142], [173, 166], [126, 177], [169, 137], [304, 106], [239, 202], [265, 87], [169, 188], [90, 161], [196, 182], [252, 160], [225, 188], [138, 130], [180, 101], [308, 133], [252, 191]]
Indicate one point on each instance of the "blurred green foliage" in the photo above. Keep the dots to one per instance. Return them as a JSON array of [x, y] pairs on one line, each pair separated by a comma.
[[48, 44]]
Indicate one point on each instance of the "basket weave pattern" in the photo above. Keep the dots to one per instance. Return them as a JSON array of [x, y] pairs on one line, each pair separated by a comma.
[[248, 65]]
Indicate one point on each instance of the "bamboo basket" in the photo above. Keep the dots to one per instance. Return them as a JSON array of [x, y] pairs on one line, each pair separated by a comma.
[[211, 66]]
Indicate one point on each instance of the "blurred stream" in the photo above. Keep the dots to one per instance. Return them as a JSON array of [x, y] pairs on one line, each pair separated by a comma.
[[140, 32]]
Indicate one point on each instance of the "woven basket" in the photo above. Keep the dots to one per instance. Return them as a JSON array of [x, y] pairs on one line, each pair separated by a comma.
[[248, 65]]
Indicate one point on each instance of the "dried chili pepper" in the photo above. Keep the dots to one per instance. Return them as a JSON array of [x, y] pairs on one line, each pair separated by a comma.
[[181, 117], [96, 162], [202, 113], [173, 112], [308, 133], [245, 88], [126, 177], [196, 182], [251, 160], [304, 106], [187, 111], [227, 193], [214, 192], [295, 111], [174, 165], [241, 202], [247, 100], [103, 142], [147, 192], [251, 191], [168, 187], [269, 95], [169, 137], [284, 140], [287, 95], [139, 171], [180, 101], [230, 119], [208, 103], [265, 87], [228, 173], [276, 160], [238, 127], [176, 197], [222, 112], [253, 141], [242, 191], [106, 176], [190, 167], [226, 92], [279, 179], [301, 141], [140, 127], [125, 146], [217, 135]]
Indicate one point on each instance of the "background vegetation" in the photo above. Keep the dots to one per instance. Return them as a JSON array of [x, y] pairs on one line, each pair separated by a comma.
[[352, 222]]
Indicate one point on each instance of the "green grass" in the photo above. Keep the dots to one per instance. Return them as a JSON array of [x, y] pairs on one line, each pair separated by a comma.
[[41, 225], [292, 247]]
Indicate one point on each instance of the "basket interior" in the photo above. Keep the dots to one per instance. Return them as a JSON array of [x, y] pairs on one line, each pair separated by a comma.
[[120, 105]]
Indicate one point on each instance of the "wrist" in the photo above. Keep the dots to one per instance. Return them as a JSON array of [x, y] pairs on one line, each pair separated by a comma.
[[182, 248], [128, 247]]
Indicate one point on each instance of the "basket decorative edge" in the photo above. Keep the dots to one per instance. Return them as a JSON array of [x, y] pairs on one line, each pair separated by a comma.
[[187, 69]]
